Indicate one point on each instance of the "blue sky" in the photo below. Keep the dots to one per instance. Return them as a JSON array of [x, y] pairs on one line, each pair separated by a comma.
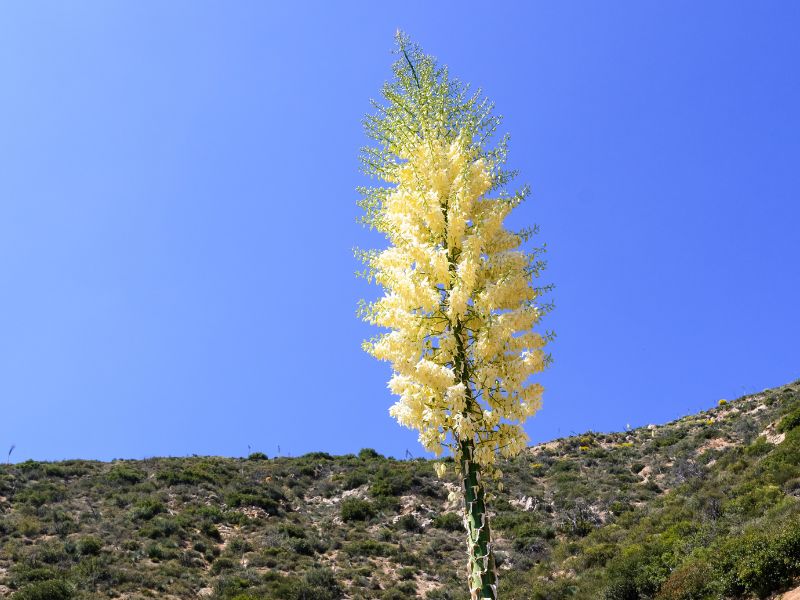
[[177, 212]]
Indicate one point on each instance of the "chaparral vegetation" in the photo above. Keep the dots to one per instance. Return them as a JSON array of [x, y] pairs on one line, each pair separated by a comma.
[[705, 507]]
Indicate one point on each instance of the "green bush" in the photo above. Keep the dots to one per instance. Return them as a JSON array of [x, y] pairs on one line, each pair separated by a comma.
[[222, 564], [406, 573], [599, 554], [147, 509], [617, 507], [292, 530], [265, 497], [122, 474], [756, 500], [668, 439], [638, 571], [24, 573], [355, 509], [353, 479], [45, 590], [792, 486], [401, 591], [449, 522], [238, 546], [89, 546], [368, 548], [790, 421], [155, 552], [390, 482], [760, 561], [301, 546], [317, 456], [319, 583], [160, 528], [208, 528], [688, 582], [759, 447], [409, 523], [191, 475], [40, 493]]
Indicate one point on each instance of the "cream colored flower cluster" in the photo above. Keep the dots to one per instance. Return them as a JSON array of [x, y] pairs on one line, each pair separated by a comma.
[[458, 303]]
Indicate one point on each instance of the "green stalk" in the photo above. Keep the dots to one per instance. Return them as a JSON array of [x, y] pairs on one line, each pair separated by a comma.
[[481, 569], [481, 566]]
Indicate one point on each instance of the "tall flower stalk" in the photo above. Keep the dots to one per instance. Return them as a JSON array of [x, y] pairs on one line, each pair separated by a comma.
[[459, 303]]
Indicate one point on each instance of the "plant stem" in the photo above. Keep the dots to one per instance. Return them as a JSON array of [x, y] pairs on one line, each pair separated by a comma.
[[481, 571], [481, 566]]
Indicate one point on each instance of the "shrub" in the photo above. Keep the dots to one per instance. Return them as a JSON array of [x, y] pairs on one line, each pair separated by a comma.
[[265, 497], [538, 469], [222, 564], [760, 561], [301, 546], [756, 501], [759, 447], [598, 555], [406, 573], [622, 588], [292, 530], [317, 456], [400, 591], [122, 474], [389, 482], [617, 507], [29, 525], [353, 479], [239, 546], [320, 584], [208, 528], [24, 573], [368, 453], [790, 421], [155, 552], [792, 486], [40, 494], [147, 509], [53, 589], [368, 548], [237, 585], [637, 572], [668, 439], [191, 475], [89, 546], [159, 528], [688, 582], [258, 456], [409, 523], [355, 509], [449, 522]]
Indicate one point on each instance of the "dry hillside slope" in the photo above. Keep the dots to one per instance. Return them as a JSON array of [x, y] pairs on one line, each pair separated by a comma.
[[704, 507]]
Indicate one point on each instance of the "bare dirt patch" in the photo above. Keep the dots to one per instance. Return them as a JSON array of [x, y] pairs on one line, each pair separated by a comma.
[[792, 594], [715, 444]]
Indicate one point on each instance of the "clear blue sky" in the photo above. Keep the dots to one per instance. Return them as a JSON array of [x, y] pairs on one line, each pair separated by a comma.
[[177, 212]]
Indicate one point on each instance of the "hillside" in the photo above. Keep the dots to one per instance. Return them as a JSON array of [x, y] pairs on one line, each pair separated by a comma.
[[707, 506]]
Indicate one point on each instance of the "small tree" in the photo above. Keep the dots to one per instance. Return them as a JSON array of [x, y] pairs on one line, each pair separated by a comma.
[[459, 301]]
